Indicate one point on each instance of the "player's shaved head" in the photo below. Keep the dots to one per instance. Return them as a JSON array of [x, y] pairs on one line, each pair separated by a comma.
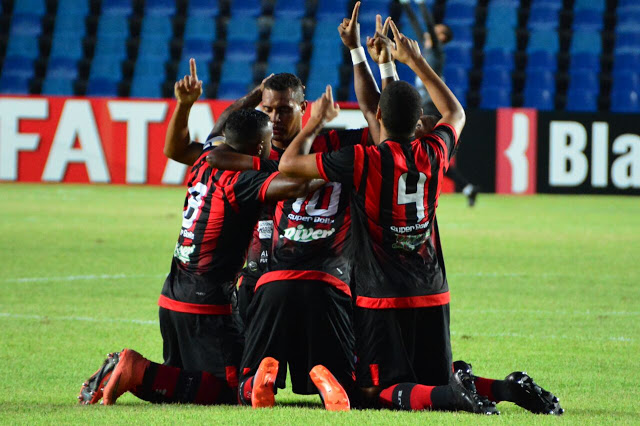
[[248, 131], [400, 109], [286, 81]]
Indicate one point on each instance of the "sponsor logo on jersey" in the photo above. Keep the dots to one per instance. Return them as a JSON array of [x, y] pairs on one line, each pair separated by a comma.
[[410, 242], [265, 229], [410, 228], [186, 233], [182, 253], [304, 235]]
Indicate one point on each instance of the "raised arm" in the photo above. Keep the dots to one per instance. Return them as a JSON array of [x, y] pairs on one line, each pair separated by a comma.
[[295, 161], [408, 51], [413, 18], [285, 188], [177, 144], [431, 25]]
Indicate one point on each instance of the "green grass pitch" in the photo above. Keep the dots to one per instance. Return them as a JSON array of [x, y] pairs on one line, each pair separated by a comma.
[[548, 284]]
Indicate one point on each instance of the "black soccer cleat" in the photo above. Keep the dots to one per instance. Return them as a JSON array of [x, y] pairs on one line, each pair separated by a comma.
[[92, 389], [528, 395], [464, 366], [466, 398]]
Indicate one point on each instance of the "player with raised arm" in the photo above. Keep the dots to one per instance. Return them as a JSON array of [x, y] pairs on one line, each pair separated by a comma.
[[202, 333]]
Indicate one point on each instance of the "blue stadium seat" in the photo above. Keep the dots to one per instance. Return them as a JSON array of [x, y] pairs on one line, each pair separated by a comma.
[[242, 28], [542, 60], [325, 29], [287, 29], [36, 7], [625, 80], [25, 25], [17, 66], [232, 90], [584, 61], [69, 25], [500, 15], [202, 65], [144, 87], [277, 66], [14, 85], [584, 80], [102, 87], [67, 46], [547, 3], [543, 16], [62, 68], [152, 68], [581, 100], [626, 61], [117, 7], [586, 41], [113, 26], [203, 8], [159, 8], [458, 56], [23, 46], [200, 28], [499, 58], [285, 51], [237, 72], [625, 101], [405, 27], [57, 86], [587, 19], [599, 5], [324, 56], [114, 47], [460, 12], [456, 77], [73, 7], [627, 41], [540, 79], [491, 98], [462, 34], [157, 27], [241, 51], [106, 67], [539, 98], [543, 40], [501, 39], [289, 9], [246, 8], [331, 9], [203, 49], [154, 48], [496, 78]]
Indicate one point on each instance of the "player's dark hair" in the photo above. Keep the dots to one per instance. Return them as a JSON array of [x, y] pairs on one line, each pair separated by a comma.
[[448, 33], [243, 129], [400, 106], [285, 81]]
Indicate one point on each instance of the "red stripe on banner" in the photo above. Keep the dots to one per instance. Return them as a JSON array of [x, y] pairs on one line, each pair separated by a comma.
[[403, 302], [375, 374], [265, 186], [304, 276], [516, 150], [320, 166], [193, 308]]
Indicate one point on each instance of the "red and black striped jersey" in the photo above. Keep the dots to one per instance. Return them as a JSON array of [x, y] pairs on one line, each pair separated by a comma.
[[393, 245], [221, 209], [310, 232]]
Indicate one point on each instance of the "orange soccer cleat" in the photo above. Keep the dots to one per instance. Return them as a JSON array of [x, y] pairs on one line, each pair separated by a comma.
[[127, 375], [333, 395], [264, 382]]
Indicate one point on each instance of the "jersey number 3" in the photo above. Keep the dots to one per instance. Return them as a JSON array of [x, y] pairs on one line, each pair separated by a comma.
[[196, 199], [416, 198]]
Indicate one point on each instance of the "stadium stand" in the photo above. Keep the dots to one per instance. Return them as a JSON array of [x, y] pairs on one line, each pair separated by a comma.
[[579, 55]]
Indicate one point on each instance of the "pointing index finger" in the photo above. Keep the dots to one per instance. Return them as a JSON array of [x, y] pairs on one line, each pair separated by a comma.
[[354, 15], [192, 66], [385, 28], [394, 29]]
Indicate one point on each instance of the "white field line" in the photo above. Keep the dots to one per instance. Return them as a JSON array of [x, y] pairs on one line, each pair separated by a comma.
[[82, 277], [543, 312], [453, 333]]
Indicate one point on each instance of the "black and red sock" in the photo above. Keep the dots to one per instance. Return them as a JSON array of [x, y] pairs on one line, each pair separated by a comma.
[[165, 384], [244, 391]]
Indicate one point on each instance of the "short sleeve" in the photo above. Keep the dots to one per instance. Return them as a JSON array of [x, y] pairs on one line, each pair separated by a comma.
[[337, 166], [248, 188], [446, 138]]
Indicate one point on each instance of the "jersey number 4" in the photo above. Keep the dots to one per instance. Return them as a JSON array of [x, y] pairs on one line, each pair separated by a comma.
[[416, 198]]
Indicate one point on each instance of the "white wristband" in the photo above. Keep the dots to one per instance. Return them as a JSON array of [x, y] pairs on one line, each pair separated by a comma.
[[357, 55], [388, 69]]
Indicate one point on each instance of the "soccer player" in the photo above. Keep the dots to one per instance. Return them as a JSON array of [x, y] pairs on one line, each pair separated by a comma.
[[202, 333], [436, 37]]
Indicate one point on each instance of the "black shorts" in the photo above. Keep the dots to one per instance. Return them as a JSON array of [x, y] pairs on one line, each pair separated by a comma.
[[403, 345], [211, 343], [302, 324], [245, 295]]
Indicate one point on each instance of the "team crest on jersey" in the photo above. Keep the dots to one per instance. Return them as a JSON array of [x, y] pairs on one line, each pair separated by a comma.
[[265, 229], [182, 253], [306, 235]]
